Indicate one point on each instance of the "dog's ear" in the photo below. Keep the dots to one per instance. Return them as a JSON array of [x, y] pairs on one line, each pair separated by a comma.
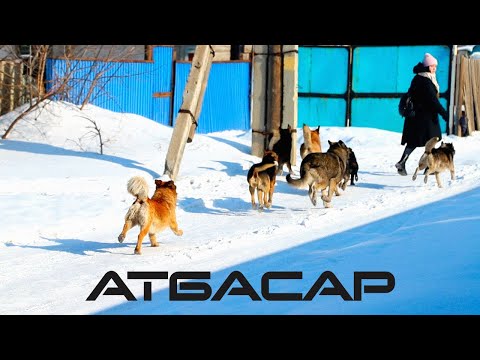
[[169, 184], [158, 183], [330, 143]]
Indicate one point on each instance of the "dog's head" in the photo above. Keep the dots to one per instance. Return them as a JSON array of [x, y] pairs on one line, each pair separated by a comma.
[[270, 156], [165, 184], [448, 146], [351, 154], [306, 127], [337, 144]]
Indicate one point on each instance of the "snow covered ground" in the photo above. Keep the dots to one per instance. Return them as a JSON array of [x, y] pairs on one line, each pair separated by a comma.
[[63, 205]]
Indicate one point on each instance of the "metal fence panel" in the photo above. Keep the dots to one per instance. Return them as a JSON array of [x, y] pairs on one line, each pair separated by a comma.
[[127, 87], [226, 103]]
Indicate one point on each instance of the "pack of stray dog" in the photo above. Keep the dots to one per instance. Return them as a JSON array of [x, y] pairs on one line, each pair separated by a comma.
[[351, 171], [435, 160], [152, 215], [323, 171], [311, 141], [261, 178], [281, 143]]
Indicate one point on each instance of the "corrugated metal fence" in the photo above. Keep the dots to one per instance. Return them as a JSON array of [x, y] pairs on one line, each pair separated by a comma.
[[128, 87], [337, 86], [148, 88], [226, 103]]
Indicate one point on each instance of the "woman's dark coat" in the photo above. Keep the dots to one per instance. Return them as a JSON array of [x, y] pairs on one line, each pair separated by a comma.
[[424, 125]]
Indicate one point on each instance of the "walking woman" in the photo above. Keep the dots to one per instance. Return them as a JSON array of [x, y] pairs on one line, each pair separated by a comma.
[[424, 125]]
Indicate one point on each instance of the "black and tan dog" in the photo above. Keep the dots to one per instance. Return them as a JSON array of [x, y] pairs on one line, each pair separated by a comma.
[[262, 177], [281, 142], [322, 171], [311, 141], [435, 160], [351, 171], [151, 214]]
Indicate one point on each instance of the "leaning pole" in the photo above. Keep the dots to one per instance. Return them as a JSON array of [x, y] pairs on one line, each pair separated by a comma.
[[187, 118]]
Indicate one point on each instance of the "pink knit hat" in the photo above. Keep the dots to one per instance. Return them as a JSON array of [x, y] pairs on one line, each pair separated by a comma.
[[428, 60]]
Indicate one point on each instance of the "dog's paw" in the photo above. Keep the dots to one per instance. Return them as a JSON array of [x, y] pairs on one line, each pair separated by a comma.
[[155, 245], [179, 233], [121, 238], [414, 177], [327, 204], [137, 251]]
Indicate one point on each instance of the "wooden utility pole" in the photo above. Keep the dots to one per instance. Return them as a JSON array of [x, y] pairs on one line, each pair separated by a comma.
[[187, 118], [259, 101], [274, 114], [290, 94], [202, 95]]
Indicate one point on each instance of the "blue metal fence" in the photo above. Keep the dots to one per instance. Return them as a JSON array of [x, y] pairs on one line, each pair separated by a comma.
[[322, 85], [331, 92], [389, 69], [226, 103], [128, 87], [146, 89]]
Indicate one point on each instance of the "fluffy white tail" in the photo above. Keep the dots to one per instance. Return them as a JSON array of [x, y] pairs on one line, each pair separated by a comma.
[[138, 187]]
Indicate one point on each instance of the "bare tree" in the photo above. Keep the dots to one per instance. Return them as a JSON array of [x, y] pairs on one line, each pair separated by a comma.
[[85, 78], [94, 131]]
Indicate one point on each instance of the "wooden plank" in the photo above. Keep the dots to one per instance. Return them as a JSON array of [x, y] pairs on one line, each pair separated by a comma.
[[458, 99], [469, 92], [162, 94], [17, 85], [186, 113], [474, 123]]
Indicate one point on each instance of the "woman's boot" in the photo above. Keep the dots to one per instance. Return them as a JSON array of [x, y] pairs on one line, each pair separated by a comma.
[[401, 164]]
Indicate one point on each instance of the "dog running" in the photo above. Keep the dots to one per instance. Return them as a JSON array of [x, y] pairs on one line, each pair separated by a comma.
[[322, 171], [151, 214], [281, 143], [262, 177], [311, 141], [435, 160], [351, 172]]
